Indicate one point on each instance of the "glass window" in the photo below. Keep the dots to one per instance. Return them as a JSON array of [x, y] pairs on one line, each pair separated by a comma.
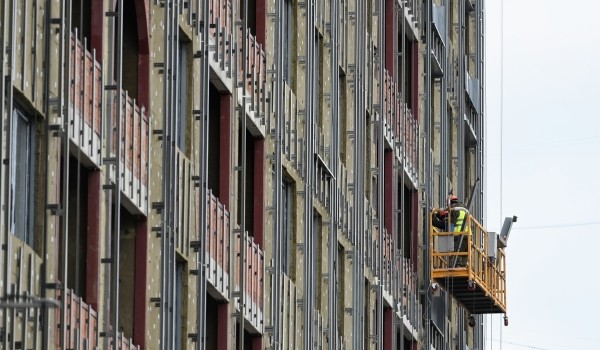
[[182, 108], [21, 184]]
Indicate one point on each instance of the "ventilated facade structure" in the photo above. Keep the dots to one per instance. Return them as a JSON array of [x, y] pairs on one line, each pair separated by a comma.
[[248, 174]]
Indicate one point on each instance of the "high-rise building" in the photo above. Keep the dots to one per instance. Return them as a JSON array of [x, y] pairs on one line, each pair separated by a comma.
[[244, 174]]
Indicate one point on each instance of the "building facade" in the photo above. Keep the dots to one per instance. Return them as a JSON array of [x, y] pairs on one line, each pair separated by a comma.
[[236, 174]]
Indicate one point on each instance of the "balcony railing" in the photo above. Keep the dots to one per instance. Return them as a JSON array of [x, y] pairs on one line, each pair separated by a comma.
[[411, 8], [183, 191], [82, 323], [82, 327], [254, 272], [226, 40], [217, 245], [408, 292], [255, 80], [323, 173], [292, 148], [290, 318], [221, 31], [85, 101], [345, 206], [401, 127], [318, 334], [387, 269], [134, 149]]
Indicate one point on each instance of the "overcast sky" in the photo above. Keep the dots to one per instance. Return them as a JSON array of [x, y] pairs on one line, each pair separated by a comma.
[[550, 175]]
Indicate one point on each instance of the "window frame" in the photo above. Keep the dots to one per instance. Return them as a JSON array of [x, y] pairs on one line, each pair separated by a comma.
[[25, 158]]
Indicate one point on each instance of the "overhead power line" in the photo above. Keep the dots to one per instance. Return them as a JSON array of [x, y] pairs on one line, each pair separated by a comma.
[[576, 224]]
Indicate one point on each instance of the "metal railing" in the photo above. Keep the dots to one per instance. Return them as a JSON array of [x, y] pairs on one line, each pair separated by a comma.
[[255, 80], [473, 261], [401, 128], [408, 292], [82, 326], [134, 144], [254, 288], [183, 197], [85, 97], [292, 148], [217, 245]]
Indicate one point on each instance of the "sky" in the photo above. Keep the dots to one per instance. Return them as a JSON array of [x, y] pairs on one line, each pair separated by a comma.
[[543, 165]]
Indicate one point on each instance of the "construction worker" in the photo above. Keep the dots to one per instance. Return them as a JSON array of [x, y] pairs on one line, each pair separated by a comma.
[[458, 217], [458, 221]]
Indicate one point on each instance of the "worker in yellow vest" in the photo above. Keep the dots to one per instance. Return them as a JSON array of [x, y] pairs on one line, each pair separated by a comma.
[[458, 222]]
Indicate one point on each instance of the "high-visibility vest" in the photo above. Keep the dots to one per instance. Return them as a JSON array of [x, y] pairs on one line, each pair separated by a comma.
[[460, 220]]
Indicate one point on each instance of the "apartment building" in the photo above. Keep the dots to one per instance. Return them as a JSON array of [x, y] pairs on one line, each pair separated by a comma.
[[241, 174]]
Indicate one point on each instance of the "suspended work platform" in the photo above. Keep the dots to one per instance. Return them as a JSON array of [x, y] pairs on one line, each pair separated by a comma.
[[471, 266]]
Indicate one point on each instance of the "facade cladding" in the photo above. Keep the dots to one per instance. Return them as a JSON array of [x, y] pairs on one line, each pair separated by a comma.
[[235, 174]]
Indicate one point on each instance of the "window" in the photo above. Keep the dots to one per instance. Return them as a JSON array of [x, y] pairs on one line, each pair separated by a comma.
[[22, 175], [287, 227], [340, 277], [288, 40], [180, 294], [182, 95], [317, 73], [317, 251], [406, 236], [130, 58]]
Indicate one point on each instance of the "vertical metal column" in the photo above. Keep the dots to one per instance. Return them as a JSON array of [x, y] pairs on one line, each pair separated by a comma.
[[6, 87], [461, 188], [359, 178], [278, 181], [427, 171], [112, 127], [164, 212], [242, 159], [64, 44], [334, 166], [309, 112], [400, 142], [380, 169], [170, 124], [202, 170], [445, 155]]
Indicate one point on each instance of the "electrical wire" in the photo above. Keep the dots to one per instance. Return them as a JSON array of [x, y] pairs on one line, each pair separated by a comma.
[[576, 224], [501, 114]]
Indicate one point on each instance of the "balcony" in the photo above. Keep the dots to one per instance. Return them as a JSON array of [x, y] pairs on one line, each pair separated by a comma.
[[292, 147], [183, 194], [321, 190], [345, 206], [408, 292], [254, 269], [387, 269], [221, 33], [401, 129], [438, 47], [472, 266], [471, 87], [134, 149], [217, 246], [226, 39], [289, 318], [412, 14], [81, 329], [254, 84], [85, 102]]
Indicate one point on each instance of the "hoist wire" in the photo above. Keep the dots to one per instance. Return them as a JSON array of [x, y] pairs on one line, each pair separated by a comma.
[[501, 113]]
